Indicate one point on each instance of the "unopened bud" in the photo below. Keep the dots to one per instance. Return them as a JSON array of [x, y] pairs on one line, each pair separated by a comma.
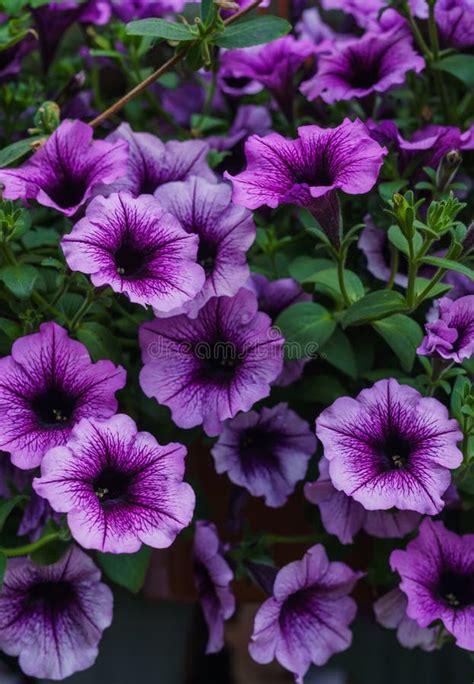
[[227, 5], [447, 169], [47, 118]]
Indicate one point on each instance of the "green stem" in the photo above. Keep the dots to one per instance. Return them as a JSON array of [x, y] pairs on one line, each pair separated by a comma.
[[211, 91], [412, 269], [340, 276], [282, 539], [395, 258], [30, 548], [416, 32], [83, 309]]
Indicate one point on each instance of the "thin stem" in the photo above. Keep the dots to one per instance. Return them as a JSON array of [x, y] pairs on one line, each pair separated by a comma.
[[83, 309], [209, 99], [341, 278], [395, 258], [281, 539], [412, 269], [416, 32], [30, 548]]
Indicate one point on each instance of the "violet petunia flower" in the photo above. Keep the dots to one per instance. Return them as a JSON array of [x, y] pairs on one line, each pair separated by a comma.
[[437, 577], [391, 612], [64, 173], [128, 10], [312, 28], [209, 368], [53, 616], [306, 620], [223, 232], [452, 335], [343, 516], [265, 452], [213, 577], [248, 120], [455, 22], [119, 487], [46, 386], [390, 447], [138, 248]]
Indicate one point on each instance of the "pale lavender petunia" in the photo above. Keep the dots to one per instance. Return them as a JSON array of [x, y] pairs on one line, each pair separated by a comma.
[[53, 616], [391, 612], [119, 487], [390, 447], [451, 336]]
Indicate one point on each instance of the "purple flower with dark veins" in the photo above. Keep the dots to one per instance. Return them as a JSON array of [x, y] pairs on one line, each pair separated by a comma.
[[223, 232], [391, 612], [65, 172], [267, 453], [119, 487], [390, 447], [209, 368], [127, 10], [249, 119], [437, 577], [138, 248], [343, 516], [46, 386], [452, 335], [53, 616], [455, 21], [306, 620], [213, 576]]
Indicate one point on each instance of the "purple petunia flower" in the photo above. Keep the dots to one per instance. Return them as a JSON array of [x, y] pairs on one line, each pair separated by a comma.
[[119, 487], [127, 10], [312, 28], [209, 368], [152, 163], [455, 21], [371, 64], [53, 616], [223, 231], [248, 120], [46, 386], [391, 612], [390, 447], [437, 571], [344, 517], [64, 173], [138, 248], [213, 576], [366, 12], [267, 453], [452, 335], [306, 620]]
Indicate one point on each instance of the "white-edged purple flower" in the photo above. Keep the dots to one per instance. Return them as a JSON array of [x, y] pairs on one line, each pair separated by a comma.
[[53, 616], [46, 386], [213, 576], [119, 487], [209, 368], [265, 452], [390, 447], [343, 516], [451, 336], [306, 620], [138, 248], [391, 612], [437, 577], [223, 232], [65, 172]]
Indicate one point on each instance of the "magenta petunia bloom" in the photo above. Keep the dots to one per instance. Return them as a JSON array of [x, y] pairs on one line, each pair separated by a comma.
[[223, 231], [437, 576], [119, 487], [46, 386], [306, 620], [391, 612], [53, 616], [455, 21], [213, 577], [128, 10], [64, 173], [138, 248], [374, 63], [267, 453], [209, 368], [366, 12], [248, 120], [390, 447], [452, 335], [152, 163], [343, 516]]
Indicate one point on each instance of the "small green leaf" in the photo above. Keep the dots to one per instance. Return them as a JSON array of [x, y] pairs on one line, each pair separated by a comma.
[[321, 389], [16, 150], [374, 306], [19, 279], [305, 326], [159, 28], [208, 11], [327, 282], [99, 340], [254, 31], [51, 262], [403, 335], [339, 353], [436, 291], [7, 506], [41, 237], [399, 241], [10, 329], [461, 385], [126, 569], [449, 265], [461, 66], [387, 189], [304, 268]]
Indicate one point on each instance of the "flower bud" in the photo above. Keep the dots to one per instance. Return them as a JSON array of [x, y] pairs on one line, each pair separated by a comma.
[[47, 118], [447, 168]]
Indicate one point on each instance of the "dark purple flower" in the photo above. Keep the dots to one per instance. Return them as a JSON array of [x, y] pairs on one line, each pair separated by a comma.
[[209, 368], [455, 21], [138, 248], [390, 447], [306, 620], [267, 453], [64, 173], [437, 571], [11, 58], [213, 576], [391, 612], [119, 487], [223, 231], [249, 120], [231, 81], [53, 616], [344, 517], [46, 386], [452, 335], [374, 63]]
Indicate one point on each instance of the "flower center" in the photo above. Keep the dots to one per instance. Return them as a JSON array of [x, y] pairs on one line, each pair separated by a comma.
[[456, 590], [237, 82], [206, 256], [111, 485], [54, 407], [68, 191], [256, 449], [220, 360], [129, 261], [363, 74], [54, 595], [395, 451]]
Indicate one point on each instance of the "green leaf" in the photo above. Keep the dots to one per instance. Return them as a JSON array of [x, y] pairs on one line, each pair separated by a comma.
[[457, 396], [7, 506], [99, 340], [461, 66], [339, 353], [387, 189], [399, 241], [3, 567], [19, 279], [208, 11], [303, 268], [254, 31], [321, 389], [51, 262], [374, 306], [16, 150], [449, 265], [403, 335], [159, 28], [41, 237], [126, 569], [10, 329], [305, 326], [327, 282], [436, 291]]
